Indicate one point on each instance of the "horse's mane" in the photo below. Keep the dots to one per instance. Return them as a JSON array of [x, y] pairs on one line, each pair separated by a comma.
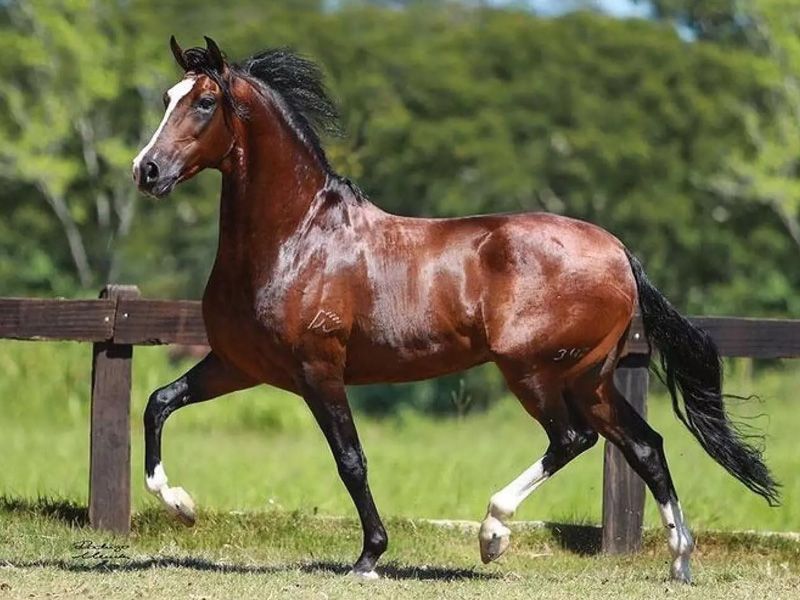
[[297, 83]]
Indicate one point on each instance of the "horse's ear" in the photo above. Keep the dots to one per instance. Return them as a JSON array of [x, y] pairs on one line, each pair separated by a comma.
[[178, 53], [215, 55]]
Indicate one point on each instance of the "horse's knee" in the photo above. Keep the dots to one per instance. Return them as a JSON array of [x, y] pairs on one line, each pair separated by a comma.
[[163, 401], [169, 393]]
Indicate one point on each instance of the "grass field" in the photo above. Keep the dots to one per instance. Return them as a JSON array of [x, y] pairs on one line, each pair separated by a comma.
[[279, 554], [260, 452]]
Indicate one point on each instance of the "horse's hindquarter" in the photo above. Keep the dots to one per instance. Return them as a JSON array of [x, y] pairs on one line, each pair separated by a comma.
[[557, 289]]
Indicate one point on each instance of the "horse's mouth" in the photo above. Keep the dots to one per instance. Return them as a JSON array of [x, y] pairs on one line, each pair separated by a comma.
[[164, 187]]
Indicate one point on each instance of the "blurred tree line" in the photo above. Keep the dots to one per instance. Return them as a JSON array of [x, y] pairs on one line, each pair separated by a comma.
[[686, 147]]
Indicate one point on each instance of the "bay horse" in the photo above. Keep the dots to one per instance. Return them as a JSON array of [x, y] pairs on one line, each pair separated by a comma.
[[314, 288]]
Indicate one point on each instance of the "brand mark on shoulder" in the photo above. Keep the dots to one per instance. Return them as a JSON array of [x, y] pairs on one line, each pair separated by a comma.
[[325, 321]]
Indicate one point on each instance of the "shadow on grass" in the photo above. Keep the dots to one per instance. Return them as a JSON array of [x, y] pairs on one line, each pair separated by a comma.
[[390, 571], [584, 540], [63, 511]]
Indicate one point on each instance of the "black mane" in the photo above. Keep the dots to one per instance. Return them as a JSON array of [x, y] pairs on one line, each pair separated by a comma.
[[298, 84]]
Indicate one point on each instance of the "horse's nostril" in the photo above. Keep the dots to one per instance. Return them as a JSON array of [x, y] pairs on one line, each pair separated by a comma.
[[150, 172]]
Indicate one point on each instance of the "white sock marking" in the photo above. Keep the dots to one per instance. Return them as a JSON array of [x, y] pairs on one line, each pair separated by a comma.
[[680, 542], [157, 480], [175, 498], [175, 93], [494, 535], [504, 503]]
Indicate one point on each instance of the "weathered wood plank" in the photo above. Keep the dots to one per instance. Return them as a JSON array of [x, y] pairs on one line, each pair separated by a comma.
[[181, 322], [35, 319], [623, 490], [637, 343], [110, 429], [159, 322], [737, 336], [756, 338]]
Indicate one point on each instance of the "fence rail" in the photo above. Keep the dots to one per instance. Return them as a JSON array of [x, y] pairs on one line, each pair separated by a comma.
[[120, 320]]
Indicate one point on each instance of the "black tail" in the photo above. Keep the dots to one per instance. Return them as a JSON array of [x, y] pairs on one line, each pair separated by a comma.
[[691, 364]]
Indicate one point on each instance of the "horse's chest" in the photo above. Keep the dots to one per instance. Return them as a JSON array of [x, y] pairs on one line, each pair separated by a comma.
[[240, 332]]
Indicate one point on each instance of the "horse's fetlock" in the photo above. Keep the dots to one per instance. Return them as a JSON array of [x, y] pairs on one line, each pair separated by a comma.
[[501, 507]]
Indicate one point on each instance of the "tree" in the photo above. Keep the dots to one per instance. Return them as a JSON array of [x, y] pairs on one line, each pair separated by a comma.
[[768, 169], [723, 21], [71, 98]]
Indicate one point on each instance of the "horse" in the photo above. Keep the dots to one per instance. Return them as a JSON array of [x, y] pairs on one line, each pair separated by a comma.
[[314, 288]]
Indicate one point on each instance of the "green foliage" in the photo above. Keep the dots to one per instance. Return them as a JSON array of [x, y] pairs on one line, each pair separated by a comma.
[[724, 21], [450, 108], [766, 170], [69, 96]]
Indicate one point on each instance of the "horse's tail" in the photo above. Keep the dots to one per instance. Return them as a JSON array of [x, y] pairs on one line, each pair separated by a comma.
[[691, 364]]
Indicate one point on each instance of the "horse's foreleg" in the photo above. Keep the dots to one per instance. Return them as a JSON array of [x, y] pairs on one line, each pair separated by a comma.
[[206, 380], [325, 395]]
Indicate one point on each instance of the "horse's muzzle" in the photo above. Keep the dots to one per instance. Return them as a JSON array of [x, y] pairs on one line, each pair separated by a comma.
[[151, 179]]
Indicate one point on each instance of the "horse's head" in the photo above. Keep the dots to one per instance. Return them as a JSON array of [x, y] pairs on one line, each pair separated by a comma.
[[195, 132]]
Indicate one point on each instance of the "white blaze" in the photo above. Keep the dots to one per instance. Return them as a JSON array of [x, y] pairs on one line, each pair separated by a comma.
[[175, 93]]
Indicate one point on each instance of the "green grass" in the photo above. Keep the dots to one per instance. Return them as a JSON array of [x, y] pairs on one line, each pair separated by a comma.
[[279, 554], [261, 449], [266, 486]]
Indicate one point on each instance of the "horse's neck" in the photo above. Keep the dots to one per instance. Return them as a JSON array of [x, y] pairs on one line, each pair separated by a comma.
[[268, 186]]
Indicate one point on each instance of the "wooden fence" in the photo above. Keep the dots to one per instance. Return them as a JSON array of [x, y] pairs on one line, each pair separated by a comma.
[[120, 320]]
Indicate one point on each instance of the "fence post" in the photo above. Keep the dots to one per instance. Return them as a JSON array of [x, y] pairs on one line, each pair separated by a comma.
[[110, 428], [623, 489]]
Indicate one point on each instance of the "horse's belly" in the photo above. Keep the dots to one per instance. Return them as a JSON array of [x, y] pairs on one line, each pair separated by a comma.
[[371, 362]]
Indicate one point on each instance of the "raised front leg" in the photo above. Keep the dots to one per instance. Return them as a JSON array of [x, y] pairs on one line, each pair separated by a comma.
[[323, 388], [206, 380]]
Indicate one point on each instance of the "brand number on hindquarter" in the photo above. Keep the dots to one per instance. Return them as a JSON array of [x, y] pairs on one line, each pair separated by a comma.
[[571, 353]]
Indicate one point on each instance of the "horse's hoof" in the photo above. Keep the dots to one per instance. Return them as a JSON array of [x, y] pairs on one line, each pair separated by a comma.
[[363, 576], [680, 571], [494, 538], [181, 505]]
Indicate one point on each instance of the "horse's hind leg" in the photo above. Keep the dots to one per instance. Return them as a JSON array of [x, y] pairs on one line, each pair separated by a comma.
[[608, 412], [544, 399], [206, 380]]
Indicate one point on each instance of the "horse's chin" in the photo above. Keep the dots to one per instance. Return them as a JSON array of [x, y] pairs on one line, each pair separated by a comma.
[[164, 189]]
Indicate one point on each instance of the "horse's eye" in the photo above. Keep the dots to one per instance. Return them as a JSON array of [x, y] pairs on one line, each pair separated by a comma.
[[206, 103]]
